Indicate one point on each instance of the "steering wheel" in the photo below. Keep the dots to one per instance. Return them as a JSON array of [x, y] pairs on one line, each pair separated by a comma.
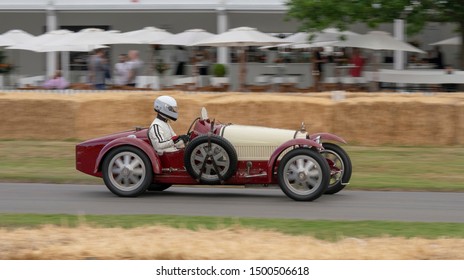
[[203, 116], [189, 131]]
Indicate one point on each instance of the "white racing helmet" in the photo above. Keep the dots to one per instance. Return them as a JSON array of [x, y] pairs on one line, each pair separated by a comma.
[[166, 106]]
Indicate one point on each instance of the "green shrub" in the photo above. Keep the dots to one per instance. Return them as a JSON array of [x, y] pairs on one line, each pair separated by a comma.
[[219, 70]]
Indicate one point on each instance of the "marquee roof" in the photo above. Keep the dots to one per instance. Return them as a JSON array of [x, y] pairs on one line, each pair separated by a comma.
[[125, 5]]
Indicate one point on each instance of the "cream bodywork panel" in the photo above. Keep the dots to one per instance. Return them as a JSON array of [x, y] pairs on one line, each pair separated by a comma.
[[256, 142]]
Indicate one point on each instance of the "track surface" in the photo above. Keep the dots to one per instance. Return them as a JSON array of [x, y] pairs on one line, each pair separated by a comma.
[[237, 202]]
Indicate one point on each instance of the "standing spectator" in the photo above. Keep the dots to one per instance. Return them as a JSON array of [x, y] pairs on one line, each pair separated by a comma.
[[121, 71], [317, 62], [98, 67], [134, 67], [56, 82], [358, 61], [182, 58], [202, 59], [438, 60]]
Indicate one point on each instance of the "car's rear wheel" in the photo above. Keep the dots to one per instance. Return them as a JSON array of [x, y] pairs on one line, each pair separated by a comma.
[[211, 159], [303, 174], [340, 167], [127, 171]]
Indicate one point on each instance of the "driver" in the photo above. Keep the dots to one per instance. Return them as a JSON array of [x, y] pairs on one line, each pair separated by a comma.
[[162, 136]]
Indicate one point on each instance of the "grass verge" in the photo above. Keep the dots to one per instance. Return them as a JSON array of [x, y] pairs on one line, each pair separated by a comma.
[[325, 230], [374, 168]]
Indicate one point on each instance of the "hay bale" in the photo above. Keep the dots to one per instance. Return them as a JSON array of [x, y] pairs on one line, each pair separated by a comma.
[[37, 117], [361, 118]]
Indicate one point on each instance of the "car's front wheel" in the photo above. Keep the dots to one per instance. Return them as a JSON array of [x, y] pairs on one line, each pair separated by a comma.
[[303, 174], [127, 171]]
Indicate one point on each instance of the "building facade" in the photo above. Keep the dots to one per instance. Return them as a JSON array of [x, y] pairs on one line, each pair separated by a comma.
[[216, 16]]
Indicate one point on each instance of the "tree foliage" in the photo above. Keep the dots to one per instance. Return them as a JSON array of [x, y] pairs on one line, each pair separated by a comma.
[[316, 15]]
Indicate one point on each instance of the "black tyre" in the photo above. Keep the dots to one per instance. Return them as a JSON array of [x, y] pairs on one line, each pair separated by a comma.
[[211, 159], [303, 174], [158, 187], [340, 167], [127, 171]]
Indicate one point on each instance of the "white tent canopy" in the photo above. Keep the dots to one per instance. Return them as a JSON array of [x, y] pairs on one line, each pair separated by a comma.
[[89, 37], [326, 37], [15, 36], [377, 40], [241, 37], [455, 41], [4, 41], [147, 35], [187, 38], [44, 43]]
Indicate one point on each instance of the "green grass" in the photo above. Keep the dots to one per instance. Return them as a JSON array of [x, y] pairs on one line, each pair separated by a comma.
[[374, 168], [326, 230]]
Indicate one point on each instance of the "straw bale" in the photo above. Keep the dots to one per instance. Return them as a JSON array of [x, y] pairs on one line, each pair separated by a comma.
[[398, 119], [459, 126], [360, 118], [37, 117], [235, 243]]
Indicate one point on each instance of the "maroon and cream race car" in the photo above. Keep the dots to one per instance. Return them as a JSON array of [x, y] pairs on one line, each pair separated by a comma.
[[305, 166]]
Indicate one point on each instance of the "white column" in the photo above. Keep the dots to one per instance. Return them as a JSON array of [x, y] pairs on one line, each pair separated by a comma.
[[51, 25], [399, 35], [222, 26]]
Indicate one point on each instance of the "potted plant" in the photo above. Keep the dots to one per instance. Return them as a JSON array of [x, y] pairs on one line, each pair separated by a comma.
[[161, 67], [219, 72]]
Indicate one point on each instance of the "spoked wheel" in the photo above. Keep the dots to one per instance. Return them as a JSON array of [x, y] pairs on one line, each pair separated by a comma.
[[127, 171], [211, 159], [340, 167], [303, 174]]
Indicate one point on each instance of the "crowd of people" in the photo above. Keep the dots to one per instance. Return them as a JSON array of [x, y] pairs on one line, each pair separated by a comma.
[[100, 73], [124, 73]]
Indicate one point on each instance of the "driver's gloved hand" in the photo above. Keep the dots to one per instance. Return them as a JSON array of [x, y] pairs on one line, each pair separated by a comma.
[[185, 138], [175, 139]]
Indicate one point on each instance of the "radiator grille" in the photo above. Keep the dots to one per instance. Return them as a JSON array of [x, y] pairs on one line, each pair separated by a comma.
[[255, 152]]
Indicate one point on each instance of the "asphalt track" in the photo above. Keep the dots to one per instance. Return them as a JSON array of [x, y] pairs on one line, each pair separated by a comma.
[[236, 202]]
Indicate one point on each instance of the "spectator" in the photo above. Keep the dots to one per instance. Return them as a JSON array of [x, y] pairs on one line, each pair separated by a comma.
[[202, 59], [438, 60], [98, 67], [134, 67], [317, 62], [121, 71], [56, 82], [182, 58], [358, 61]]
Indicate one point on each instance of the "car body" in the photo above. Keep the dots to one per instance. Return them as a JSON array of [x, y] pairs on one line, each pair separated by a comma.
[[219, 153]]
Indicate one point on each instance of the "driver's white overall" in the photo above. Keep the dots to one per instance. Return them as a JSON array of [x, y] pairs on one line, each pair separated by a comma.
[[160, 133]]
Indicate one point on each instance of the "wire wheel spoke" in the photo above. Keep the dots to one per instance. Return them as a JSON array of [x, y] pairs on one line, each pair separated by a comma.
[[336, 166]]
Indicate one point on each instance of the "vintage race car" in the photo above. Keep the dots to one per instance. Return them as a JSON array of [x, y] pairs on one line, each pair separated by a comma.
[[304, 166]]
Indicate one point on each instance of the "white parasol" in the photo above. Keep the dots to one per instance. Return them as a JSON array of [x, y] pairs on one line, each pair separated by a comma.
[[377, 40], [46, 43], [187, 38], [451, 41], [147, 35], [15, 36], [241, 37]]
